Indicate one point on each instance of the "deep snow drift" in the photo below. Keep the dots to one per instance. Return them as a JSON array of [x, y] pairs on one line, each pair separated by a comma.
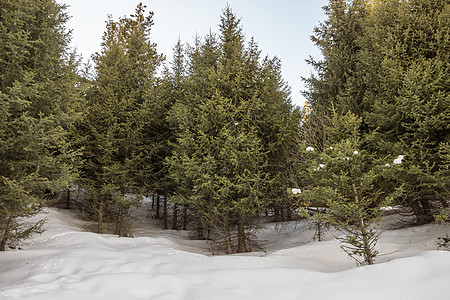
[[67, 263]]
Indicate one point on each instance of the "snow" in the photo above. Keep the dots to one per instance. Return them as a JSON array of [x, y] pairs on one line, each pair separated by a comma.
[[321, 166], [309, 148], [390, 208], [398, 160], [296, 191], [67, 263]]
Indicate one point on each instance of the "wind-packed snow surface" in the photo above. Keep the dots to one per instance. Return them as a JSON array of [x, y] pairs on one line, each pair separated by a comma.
[[66, 263]]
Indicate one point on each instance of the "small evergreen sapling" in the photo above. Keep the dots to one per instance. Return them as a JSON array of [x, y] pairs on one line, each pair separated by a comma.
[[344, 179]]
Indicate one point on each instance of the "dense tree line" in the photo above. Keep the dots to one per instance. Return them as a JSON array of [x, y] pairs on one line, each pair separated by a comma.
[[213, 133], [385, 63], [388, 63], [39, 97], [234, 129]]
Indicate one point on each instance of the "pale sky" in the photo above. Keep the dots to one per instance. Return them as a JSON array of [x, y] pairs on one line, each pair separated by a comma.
[[281, 28]]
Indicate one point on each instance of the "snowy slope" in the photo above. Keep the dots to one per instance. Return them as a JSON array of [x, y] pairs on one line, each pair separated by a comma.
[[66, 263]]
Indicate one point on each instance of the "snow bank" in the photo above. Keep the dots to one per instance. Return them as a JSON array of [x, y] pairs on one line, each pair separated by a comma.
[[65, 263]]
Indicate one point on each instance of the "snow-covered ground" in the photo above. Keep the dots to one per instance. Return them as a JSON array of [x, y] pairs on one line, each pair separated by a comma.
[[67, 263]]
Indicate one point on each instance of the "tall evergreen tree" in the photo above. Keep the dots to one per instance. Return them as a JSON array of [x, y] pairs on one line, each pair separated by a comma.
[[344, 184], [408, 95], [116, 118], [226, 136], [37, 94], [339, 75], [387, 62]]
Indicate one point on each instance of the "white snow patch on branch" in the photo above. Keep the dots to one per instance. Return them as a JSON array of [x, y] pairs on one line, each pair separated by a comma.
[[296, 191], [398, 160]]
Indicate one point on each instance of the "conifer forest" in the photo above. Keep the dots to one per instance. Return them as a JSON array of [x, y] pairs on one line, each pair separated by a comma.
[[211, 138]]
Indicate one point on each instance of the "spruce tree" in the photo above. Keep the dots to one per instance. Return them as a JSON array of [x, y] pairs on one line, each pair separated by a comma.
[[38, 93], [234, 117], [407, 95], [344, 184], [339, 78], [116, 120], [386, 61]]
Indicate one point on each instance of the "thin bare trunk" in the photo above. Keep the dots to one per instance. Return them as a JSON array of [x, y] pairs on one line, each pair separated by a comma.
[[228, 239], [319, 231], [200, 235], [153, 201], [367, 253], [175, 217], [165, 212], [368, 256], [185, 218], [5, 235], [119, 218], [100, 214], [68, 198], [157, 215], [3, 244], [242, 244]]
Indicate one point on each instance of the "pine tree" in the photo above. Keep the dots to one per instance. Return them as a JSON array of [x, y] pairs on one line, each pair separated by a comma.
[[234, 117], [116, 118], [407, 95], [339, 78], [36, 112], [386, 61], [345, 184]]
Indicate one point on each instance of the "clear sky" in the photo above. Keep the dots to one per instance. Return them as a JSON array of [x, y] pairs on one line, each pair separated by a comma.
[[281, 28]]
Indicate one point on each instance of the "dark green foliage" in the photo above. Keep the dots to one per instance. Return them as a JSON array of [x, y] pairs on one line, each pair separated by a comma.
[[119, 113], [387, 62], [410, 56], [37, 97], [235, 127], [344, 184], [339, 75]]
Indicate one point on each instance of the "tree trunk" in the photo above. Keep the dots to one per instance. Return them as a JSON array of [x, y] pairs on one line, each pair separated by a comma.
[[68, 198], [242, 243], [175, 217], [319, 230], [100, 213], [228, 239], [153, 201], [185, 218], [165, 212], [5, 235], [368, 255], [421, 211], [119, 219], [276, 214], [157, 215], [200, 235], [3, 244]]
